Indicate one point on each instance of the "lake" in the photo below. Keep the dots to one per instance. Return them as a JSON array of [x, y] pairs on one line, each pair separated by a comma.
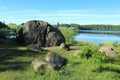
[[98, 36]]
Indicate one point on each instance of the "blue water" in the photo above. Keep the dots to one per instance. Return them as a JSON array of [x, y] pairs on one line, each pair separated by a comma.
[[100, 31], [97, 38]]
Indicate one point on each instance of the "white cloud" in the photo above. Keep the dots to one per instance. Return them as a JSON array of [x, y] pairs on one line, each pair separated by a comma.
[[63, 16]]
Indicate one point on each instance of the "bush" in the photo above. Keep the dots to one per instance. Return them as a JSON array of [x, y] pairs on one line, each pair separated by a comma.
[[88, 51], [68, 34], [3, 25], [2, 35], [116, 44], [91, 52]]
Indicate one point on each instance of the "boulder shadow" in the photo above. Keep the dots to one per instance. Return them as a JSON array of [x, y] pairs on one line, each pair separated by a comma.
[[107, 69], [14, 59]]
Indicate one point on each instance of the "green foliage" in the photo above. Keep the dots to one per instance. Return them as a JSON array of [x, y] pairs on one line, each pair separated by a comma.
[[15, 61], [15, 64], [68, 34], [2, 34], [3, 25], [100, 27], [91, 27], [88, 51], [116, 44], [92, 53], [14, 28], [106, 44]]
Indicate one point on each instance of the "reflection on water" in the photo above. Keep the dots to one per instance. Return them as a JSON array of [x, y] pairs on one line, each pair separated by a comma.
[[100, 31], [98, 36]]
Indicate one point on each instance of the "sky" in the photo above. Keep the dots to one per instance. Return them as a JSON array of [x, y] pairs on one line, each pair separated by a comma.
[[62, 11]]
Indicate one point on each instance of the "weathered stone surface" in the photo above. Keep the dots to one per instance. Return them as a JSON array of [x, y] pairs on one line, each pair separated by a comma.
[[107, 50], [64, 46], [56, 59], [104, 49], [39, 64], [34, 47], [40, 32]]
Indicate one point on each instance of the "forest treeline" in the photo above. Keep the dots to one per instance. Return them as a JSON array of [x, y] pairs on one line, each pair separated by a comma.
[[90, 27], [73, 26]]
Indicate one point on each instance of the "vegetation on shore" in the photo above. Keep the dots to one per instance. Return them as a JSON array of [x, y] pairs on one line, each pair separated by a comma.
[[15, 61], [91, 27]]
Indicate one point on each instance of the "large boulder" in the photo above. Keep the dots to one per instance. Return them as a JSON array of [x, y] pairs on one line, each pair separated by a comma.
[[40, 32]]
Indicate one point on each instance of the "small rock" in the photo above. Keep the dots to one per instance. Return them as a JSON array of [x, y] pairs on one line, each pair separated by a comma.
[[107, 50], [64, 46], [104, 49], [34, 47]]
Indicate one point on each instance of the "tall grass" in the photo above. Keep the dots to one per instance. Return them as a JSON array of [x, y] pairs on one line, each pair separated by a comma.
[[68, 34]]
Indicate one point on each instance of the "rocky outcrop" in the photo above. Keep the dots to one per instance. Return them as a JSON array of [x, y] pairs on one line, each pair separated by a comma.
[[40, 32]]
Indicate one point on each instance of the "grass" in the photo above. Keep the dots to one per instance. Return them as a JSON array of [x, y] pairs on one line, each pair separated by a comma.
[[15, 61], [15, 64]]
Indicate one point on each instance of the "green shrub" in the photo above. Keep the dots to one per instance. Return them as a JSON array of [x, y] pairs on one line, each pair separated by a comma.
[[106, 44], [88, 51], [116, 44], [2, 35], [68, 34], [91, 52], [98, 57]]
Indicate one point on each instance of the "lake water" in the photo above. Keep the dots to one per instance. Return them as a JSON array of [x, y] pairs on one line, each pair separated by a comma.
[[11, 37], [98, 36]]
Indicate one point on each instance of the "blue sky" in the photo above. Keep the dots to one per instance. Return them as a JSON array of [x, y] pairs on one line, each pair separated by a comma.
[[62, 11]]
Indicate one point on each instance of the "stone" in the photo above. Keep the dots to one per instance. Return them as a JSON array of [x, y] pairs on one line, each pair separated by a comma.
[[107, 50], [39, 64], [64, 46], [56, 59], [40, 32], [34, 47], [104, 49]]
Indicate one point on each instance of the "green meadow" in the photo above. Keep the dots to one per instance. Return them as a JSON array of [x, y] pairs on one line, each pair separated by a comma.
[[15, 61]]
